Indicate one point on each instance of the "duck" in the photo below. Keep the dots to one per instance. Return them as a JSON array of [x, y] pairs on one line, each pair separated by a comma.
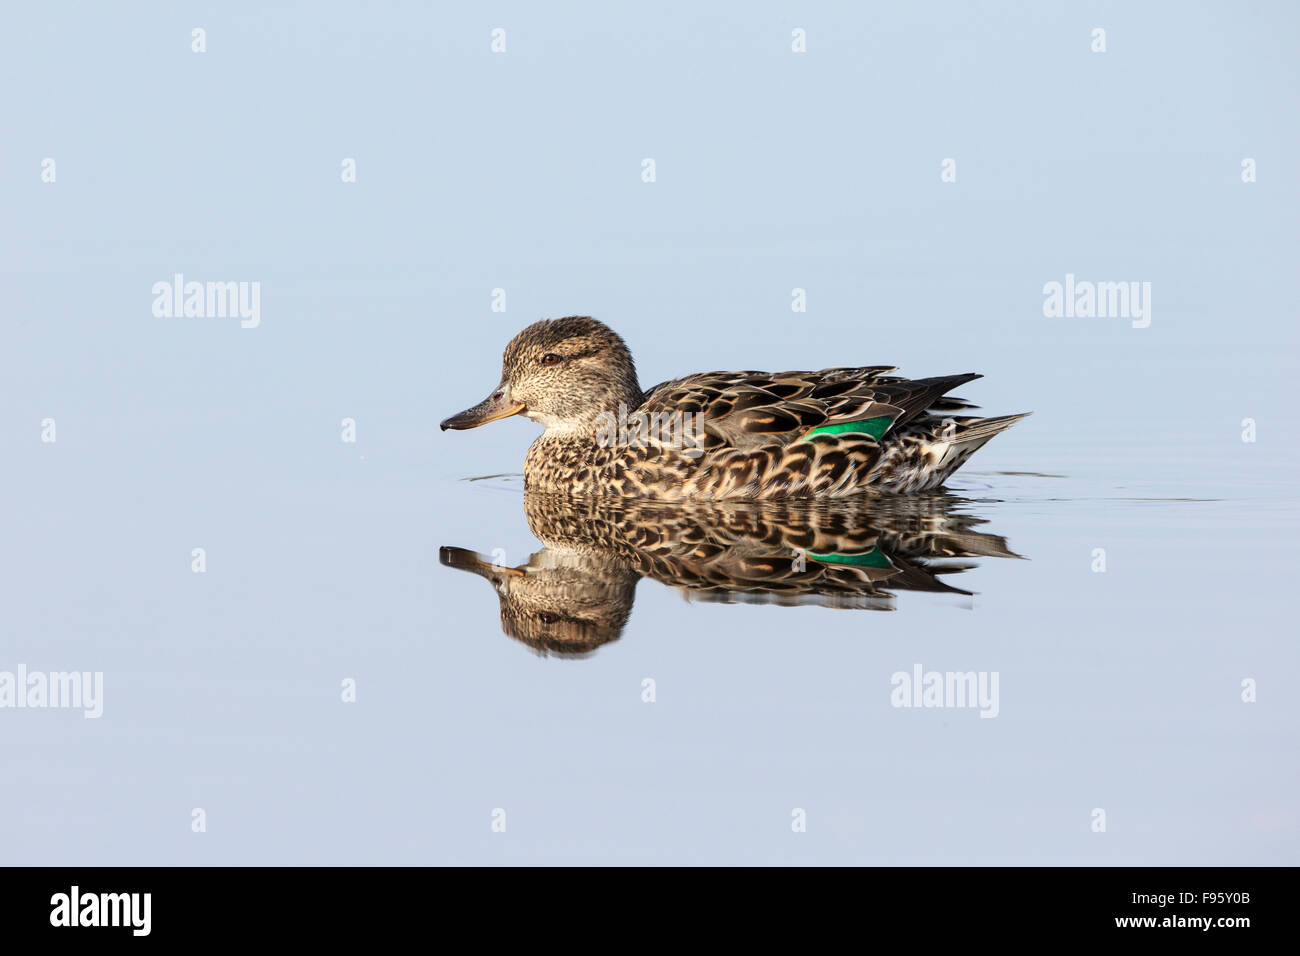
[[718, 436], [576, 593]]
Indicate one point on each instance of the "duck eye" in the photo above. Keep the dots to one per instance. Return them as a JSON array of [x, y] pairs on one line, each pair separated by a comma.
[[548, 617], [550, 358]]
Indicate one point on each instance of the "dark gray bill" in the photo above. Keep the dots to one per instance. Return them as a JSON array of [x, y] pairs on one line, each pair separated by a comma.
[[495, 406]]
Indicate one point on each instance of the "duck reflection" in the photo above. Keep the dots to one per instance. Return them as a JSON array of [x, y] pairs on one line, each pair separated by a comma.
[[576, 593]]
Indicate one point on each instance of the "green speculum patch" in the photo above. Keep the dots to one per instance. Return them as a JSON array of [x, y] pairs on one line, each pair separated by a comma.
[[874, 558], [875, 427]]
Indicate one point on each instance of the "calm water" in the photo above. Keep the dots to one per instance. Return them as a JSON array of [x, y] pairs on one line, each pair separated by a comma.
[[1117, 690]]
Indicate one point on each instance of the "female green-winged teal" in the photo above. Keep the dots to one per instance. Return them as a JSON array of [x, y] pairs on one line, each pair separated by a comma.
[[722, 435]]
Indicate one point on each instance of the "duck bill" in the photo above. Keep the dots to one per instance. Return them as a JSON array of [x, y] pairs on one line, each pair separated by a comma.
[[465, 560], [497, 405]]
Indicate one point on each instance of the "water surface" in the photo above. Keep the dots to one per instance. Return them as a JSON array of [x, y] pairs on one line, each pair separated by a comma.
[[1118, 690]]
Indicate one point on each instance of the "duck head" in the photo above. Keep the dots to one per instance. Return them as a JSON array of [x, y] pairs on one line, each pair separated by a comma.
[[559, 603], [561, 373]]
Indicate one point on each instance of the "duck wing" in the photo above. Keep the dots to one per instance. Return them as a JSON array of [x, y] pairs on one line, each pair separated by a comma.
[[751, 409], [796, 432]]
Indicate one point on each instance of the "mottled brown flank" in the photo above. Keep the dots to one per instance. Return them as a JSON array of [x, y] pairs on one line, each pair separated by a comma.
[[755, 425]]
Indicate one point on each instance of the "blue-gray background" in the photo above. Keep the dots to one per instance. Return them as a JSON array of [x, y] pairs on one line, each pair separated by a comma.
[[522, 171]]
